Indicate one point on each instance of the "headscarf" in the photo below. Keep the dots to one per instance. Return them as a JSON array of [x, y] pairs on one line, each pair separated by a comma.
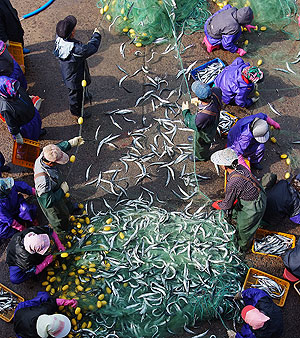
[[5, 186], [253, 74], [8, 87], [254, 317], [35, 243]]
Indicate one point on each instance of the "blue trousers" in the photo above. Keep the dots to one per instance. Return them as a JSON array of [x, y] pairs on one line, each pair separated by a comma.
[[18, 276]]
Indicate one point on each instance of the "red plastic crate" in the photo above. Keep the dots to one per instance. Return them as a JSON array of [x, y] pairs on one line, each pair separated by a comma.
[[25, 154]]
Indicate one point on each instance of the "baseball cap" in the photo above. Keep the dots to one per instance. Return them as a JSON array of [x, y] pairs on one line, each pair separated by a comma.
[[53, 153], [65, 27]]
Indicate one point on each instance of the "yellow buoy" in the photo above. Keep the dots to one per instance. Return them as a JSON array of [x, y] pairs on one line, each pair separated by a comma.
[[273, 139], [138, 44], [101, 297], [288, 162], [72, 158], [109, 221], [87, 221], [99, 304], [101, 11], [246, 42], [67, 195], [83, 83], [131, 31], [283, 156], [125, 30], [91, 230], [122, 11], [256, 93], [125, 19], [263, 28], [64, 255], [107, 228], [80, 120], [259, 62], [65, 287], [89, 325], [79, 317], [106, 7], [80, 271], [80, 206], [287, 175], [108, 290], [108, 17], [121, 235]]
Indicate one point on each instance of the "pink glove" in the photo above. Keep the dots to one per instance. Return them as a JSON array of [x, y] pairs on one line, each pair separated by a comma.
[[241, 51], [16, 225], [273, 123], [242, 162], [249, 27], [66, 302], [58, 242], [39, 268], [33, 191]]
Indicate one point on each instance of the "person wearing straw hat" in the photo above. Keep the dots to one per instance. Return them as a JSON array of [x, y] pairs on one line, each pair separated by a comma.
[[249, 135], [37, 317], [29, 252], [50, 185], [262, 317], [244, 196]]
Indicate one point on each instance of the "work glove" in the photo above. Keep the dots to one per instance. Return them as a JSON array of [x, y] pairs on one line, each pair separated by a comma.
[[238, 296], [96, 30], [216, 205], [64, 186], [231, 333], [273, 123], [16, 225], [76, 141], [19, 138], [255, 99], [195, 101], [66, 302], [33, 191], [39, 268], [57, 241], [185, 105], [241, 52], [248, 27]]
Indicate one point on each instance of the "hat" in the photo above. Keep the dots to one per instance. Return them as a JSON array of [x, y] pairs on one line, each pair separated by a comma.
[[56, 325], [53, 153], [253, 74], [36, 243], [224, 157], [5, 185], [202, 90], [244, 15], [254, 317], [260, 130], [65, 27]]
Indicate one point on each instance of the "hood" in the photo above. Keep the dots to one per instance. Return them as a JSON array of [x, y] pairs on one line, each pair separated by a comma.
[[244, 15], [62, 48], [6, 185], [8, 87]]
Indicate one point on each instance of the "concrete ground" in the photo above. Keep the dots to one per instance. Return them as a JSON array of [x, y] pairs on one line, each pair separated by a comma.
[[43, 75]]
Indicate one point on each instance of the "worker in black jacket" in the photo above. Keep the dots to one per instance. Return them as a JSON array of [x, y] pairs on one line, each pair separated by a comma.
[[3, 167], [72, 55]]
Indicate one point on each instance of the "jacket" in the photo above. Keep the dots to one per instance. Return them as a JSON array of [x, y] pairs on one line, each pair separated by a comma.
[[233, 86], [291, 260], [16, 253], [27, 313], [6, 61], [72, 55]]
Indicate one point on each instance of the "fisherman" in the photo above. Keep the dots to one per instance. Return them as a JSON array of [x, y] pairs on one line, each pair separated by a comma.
[[245, 188], [224, 28], [205, 122], [29, 252], [50, 186], [262, 317], [72, 55], [248, 137], [3, 168], [38, 317], [237, 81], [16, 107], [15, 212]]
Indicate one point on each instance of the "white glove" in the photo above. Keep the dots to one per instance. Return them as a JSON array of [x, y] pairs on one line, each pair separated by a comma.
[[19, 138], [64, 186], [231, 333], [76, 141], [185, 105], [255, 86], [255, 99], [195, 101], [96, 30]]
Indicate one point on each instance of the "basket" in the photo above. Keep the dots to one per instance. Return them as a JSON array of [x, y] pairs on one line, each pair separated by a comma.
[[195, 71], [251, 280], [16, 50], [297, 287], [10, 314], [260, 233], [25, 154]]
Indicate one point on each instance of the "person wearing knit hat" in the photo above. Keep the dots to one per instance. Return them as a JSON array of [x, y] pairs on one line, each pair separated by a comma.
[[262, 317], [50, 186], [206, 119], [238, 81], [72, 55]]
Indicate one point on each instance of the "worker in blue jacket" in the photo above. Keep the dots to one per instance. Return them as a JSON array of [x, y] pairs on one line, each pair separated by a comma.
[[3, 167]]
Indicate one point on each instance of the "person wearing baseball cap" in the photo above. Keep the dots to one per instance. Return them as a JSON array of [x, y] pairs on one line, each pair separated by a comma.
[[206, 119], [50, 185], [245, 198], [249, 135], [262, 317]]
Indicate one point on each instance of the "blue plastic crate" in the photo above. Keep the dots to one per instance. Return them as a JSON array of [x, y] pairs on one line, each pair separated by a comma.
[[196, 70]]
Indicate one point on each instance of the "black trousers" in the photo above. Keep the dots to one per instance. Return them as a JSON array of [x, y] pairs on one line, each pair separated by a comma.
[[75, 101]]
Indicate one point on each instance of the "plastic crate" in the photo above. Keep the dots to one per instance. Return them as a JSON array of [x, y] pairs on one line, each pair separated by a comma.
[[25, 154], [2, 118], [297, 287], [260, 233], [16, 50], [252, 280], [195, 71], [235, 118], [10, 314]]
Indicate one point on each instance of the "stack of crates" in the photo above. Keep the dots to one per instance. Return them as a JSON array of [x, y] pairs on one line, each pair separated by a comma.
[[16, 50]]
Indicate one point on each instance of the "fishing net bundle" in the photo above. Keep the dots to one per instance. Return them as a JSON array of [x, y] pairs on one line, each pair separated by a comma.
[[148, 20], [143, 271]]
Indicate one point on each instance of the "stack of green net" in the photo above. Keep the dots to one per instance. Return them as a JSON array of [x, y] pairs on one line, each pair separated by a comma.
[[148, 20], [143, 271]]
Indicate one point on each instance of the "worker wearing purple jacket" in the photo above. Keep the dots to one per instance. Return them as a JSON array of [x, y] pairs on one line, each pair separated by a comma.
[[224, 27], [249, 135]]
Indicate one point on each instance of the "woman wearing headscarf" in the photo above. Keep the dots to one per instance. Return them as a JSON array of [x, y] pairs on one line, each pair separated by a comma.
[[29, 252], [262, 317], [20, 115], [15, 212], [237, 81]]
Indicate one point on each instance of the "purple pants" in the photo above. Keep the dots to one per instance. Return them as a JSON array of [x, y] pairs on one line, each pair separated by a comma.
[[18, 74], [215, 42], [18, 276], [255, 153]]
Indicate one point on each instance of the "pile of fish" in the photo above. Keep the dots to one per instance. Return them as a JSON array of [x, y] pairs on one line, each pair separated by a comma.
[[210, 72], [273, 244], [8, 302], [225, 122], [268, 285]]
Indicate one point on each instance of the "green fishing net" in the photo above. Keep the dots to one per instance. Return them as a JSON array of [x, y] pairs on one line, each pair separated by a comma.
[[148, 20], [143, 271]]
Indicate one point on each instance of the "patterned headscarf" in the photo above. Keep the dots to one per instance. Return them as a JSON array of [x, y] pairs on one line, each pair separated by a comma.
[[8, 87], [253, 74], [5, 186]]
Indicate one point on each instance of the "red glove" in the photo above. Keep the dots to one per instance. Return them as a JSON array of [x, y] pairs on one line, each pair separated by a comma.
[[16, 225], [273, 123], [241, 51], [249, 27], [33, 191], [39, 268], [66, 302], [57, 241], [216, 205], [235, 202]]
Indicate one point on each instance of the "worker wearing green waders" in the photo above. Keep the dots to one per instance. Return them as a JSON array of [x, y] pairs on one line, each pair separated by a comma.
[[205, 121], [244, 196]]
